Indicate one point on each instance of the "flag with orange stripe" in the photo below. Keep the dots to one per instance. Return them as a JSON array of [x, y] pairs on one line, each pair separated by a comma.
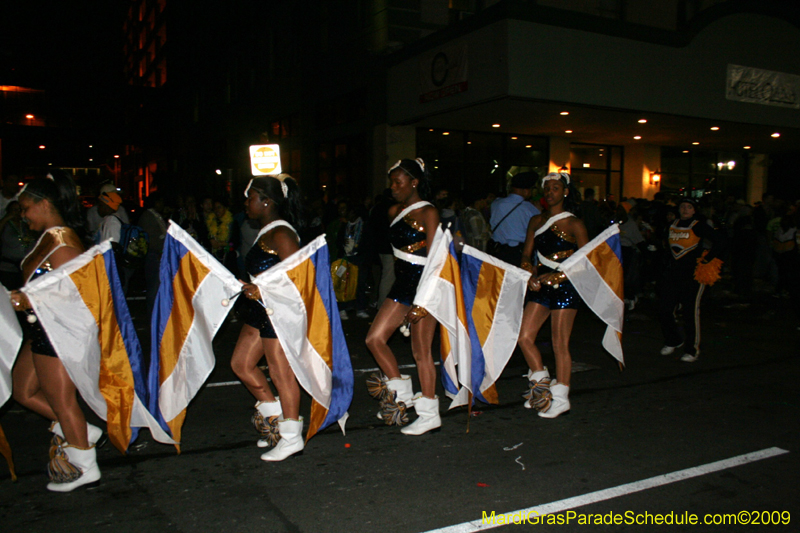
[[82, 308], [440, 293], [595, 271], [188, 312], [494, 296], [299, 298]]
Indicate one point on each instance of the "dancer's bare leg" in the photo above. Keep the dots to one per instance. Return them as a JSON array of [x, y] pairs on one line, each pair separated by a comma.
[[390, 316]]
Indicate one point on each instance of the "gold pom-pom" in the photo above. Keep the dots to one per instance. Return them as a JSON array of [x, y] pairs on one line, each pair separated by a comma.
[[376, 385], [707, 273]]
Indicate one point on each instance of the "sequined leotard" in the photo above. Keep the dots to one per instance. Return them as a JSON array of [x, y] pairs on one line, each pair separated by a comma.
[[37, 264], [556, 246], [259, 259], [407, 237]]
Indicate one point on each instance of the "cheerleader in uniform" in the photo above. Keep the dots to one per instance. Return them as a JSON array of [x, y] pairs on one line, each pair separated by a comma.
[[274, 202], [40, 381], [413, 226], [678, 284], [552, 237]]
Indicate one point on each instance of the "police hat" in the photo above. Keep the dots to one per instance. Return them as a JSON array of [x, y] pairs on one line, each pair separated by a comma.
[[525, 180]]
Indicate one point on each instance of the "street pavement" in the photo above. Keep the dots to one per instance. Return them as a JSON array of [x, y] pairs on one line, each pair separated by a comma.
[[660, 437]]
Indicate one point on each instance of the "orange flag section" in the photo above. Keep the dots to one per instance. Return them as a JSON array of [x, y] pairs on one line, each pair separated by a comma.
[[116, 377]]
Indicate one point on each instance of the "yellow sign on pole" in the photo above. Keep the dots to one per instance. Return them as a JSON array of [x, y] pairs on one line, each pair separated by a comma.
[[265, 159]]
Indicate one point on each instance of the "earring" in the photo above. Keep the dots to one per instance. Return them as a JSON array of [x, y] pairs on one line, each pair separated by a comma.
[[265, 204]]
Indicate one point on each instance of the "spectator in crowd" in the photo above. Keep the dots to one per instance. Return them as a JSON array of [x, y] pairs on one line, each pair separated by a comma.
[[510, 217], [379, 230], [8, 193], [219, 223], [94, 218], [16, 241], [590, 214], [191, 220], [153, 222], [633, 244], [474, 226], [351, 247]]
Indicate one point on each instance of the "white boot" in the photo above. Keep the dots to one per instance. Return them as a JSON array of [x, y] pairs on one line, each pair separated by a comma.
[[427, 416], [72, 468], [538, 395], [399, 398], [291, 442], [93, 433], [560, 403], [265, 420]]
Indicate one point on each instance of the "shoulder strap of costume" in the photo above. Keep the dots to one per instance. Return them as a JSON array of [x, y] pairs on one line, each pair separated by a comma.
[[274, 224], [407, 210], [552, 220]]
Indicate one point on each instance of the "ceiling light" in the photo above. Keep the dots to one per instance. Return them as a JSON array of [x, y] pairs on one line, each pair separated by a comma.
[[469, 142], [638, 137], [430, 129], [528, 146], [495, 125], [642, 121], [714, 128], [513, 138], [218, 172], [565, 112], [445, 133], [29, 117], [775, 135], [567, 131], [746, 147], [686, 151], [116, 157], [41, 147], [695, 143]]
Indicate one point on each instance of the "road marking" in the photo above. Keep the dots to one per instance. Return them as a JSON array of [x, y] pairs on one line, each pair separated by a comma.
[[614, 492], [356, 370], [224, 383]]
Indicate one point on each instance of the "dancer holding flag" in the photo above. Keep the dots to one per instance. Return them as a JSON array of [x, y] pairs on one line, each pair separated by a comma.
[[553, 236], [412, 230], [274, 202], [41, 383]]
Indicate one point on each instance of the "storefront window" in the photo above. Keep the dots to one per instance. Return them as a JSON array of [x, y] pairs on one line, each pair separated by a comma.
[[703, 172], [598, 167], [480, 163]]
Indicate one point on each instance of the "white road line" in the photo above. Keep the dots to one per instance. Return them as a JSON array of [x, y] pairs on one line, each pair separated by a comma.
[[614, 492], [355, 371], [224, 383]]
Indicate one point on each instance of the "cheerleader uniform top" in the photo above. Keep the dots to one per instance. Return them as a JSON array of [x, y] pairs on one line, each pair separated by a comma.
[[685, 240], [553, 246], [259, 259], [37, 264], [407, 237]]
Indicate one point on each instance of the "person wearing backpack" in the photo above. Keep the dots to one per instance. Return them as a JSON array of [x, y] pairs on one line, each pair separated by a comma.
[[112, 228]]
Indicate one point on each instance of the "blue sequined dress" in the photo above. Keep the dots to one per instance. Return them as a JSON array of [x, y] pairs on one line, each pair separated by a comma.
[[555, 246], [408, 237], [259, 259], [37, 264]]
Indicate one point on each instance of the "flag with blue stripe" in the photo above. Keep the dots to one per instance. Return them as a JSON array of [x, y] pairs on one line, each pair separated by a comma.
[[82, 308], [188, 312], [299, 298]]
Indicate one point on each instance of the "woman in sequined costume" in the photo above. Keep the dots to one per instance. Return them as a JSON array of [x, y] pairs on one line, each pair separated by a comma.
[[40, 381], [413, 226], [274, 202], [553, 236]]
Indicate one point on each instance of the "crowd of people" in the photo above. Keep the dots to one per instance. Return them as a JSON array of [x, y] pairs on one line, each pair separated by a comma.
[[378, 250]]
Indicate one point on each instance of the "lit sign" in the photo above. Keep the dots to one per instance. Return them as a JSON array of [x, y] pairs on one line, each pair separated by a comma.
[[748, 84], [265, 159]]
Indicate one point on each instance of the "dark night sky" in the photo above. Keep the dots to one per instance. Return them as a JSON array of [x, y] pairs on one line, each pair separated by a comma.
[[71, 49]]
